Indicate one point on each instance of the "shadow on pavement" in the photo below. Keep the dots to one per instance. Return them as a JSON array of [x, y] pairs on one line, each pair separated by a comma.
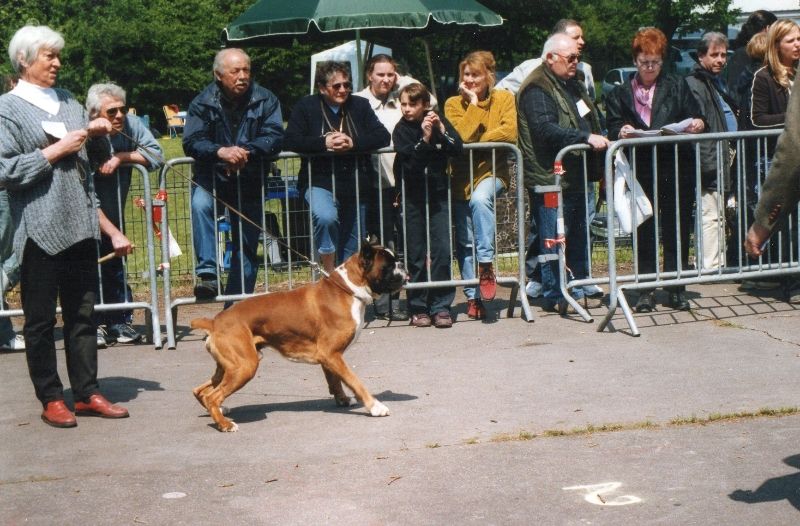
[[774, 489]]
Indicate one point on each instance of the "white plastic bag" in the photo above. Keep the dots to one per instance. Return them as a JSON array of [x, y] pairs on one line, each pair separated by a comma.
[[628, 194]]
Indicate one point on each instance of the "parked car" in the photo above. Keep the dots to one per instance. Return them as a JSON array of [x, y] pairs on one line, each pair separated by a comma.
[[613, 78], [681, 61]]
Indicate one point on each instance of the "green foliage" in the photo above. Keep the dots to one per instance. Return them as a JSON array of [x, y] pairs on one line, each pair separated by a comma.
[[161, 51]]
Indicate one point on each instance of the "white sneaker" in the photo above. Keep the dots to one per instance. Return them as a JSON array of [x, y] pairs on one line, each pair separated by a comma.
[[592, 291], [102, 338], [533, 289], [17, 344]]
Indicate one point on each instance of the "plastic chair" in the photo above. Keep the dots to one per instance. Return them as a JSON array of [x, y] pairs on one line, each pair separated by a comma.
[[175, 121]]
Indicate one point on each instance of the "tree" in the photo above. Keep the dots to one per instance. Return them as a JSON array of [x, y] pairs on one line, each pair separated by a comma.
[[609, 25]]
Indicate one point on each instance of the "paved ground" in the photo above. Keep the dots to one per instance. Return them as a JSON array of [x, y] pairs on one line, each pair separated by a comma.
[[489, 426]]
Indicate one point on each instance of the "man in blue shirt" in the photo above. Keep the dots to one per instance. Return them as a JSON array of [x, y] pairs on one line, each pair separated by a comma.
[[720, 111]]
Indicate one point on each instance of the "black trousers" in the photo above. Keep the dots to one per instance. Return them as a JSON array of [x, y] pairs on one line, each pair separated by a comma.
[[71, 277], [421, 257]]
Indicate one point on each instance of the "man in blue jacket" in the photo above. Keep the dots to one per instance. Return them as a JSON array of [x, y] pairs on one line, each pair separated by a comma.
[[233, 129]]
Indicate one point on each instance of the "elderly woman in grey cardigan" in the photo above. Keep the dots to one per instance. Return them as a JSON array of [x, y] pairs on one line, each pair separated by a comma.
[[47, 149]]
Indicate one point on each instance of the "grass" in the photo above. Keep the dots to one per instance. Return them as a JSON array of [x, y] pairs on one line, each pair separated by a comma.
[[590, 429]]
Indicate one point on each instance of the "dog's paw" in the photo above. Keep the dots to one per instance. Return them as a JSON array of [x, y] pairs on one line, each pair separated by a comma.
[[378, 409], [343, 401], [229, 427]]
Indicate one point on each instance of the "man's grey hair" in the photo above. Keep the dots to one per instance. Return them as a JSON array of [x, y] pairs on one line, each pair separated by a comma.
[[26, 43], [554, 43], [219, 58], [711, 38], [94, 97]]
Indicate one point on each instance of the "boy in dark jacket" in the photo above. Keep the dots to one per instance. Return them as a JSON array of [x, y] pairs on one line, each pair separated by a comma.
[[423, 141]]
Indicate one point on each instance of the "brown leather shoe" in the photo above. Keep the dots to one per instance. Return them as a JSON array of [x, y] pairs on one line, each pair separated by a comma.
[[57, 414], [99, 406]]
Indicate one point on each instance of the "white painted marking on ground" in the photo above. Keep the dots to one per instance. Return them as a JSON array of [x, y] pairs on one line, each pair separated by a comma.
[[595, 494], [173, 495]]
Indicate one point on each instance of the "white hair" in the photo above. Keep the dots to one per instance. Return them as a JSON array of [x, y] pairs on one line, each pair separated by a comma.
[[26, 43], [94, 98], [219, 58], [556, 42]]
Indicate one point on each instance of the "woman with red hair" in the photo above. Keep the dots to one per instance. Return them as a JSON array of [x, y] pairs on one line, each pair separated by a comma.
[[648, 100]]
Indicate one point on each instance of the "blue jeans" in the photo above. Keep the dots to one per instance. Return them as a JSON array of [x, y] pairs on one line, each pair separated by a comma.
[[475, 223], [544, 227], [204, 231], [336, 222]]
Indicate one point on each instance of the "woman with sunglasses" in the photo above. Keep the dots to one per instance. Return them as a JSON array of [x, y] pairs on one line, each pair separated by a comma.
[[648, 100], [131, 143], [334, 185]]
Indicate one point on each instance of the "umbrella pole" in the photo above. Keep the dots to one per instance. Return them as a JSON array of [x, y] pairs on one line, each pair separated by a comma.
[[430, 64], [359, 62]]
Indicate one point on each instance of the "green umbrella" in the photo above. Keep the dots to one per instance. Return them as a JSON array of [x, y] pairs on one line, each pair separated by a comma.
[[332, 18]]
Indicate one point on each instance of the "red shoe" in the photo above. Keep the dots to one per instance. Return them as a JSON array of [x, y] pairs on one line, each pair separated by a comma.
[[57, 414], [476, 310], [99, 406], [487, 282]]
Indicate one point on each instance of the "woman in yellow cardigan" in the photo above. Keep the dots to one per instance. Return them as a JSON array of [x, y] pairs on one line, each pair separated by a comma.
[[480, 114]]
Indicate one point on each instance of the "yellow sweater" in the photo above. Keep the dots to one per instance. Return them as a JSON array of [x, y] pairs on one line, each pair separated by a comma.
[[494, 119]]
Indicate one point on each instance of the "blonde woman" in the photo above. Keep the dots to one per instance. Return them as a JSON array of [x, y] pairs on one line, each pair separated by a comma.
[[479, 113], [772, 84]]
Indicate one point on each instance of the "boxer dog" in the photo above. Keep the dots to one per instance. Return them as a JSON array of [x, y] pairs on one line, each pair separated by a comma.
[[312, 324]]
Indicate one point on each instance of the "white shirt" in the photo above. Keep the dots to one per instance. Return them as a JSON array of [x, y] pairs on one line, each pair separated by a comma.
[[515, 79], [43, 98]]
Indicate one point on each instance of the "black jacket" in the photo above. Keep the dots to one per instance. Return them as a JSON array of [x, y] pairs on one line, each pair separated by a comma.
[[673, 102], [703, 87], [417, 159], [305, 133], [769, 102]]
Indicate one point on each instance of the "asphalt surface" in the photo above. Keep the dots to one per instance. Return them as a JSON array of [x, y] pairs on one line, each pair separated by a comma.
[[499, 422]]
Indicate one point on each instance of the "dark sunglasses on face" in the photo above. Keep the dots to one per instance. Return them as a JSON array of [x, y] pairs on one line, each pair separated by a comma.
[[569, 58], [112, 112], [340, 85]]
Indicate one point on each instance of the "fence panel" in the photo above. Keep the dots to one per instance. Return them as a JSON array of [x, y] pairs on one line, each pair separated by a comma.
[[287, 255], [700, 217], [139, 268]]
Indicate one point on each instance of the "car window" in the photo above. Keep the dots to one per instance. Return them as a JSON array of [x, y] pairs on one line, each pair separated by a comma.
[[613, 76]]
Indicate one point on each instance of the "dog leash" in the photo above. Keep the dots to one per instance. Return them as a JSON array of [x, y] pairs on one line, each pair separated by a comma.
[[315, 266]]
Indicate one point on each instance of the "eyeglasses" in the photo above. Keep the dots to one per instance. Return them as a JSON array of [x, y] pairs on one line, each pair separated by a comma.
[[340, 85], [112, 112], [571, 59], [649, 64]]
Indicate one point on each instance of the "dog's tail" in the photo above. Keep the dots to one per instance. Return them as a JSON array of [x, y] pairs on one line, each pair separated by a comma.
[[207, 324]]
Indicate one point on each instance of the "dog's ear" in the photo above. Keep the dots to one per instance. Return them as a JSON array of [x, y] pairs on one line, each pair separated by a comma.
[[367, 254]]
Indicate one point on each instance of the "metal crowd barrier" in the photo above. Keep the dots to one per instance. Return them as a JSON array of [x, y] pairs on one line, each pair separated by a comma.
[[736, 201], [139, 267], [292, 229]]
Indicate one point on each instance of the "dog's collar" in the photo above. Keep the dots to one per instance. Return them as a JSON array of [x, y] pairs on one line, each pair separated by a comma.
[[348, 286]]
